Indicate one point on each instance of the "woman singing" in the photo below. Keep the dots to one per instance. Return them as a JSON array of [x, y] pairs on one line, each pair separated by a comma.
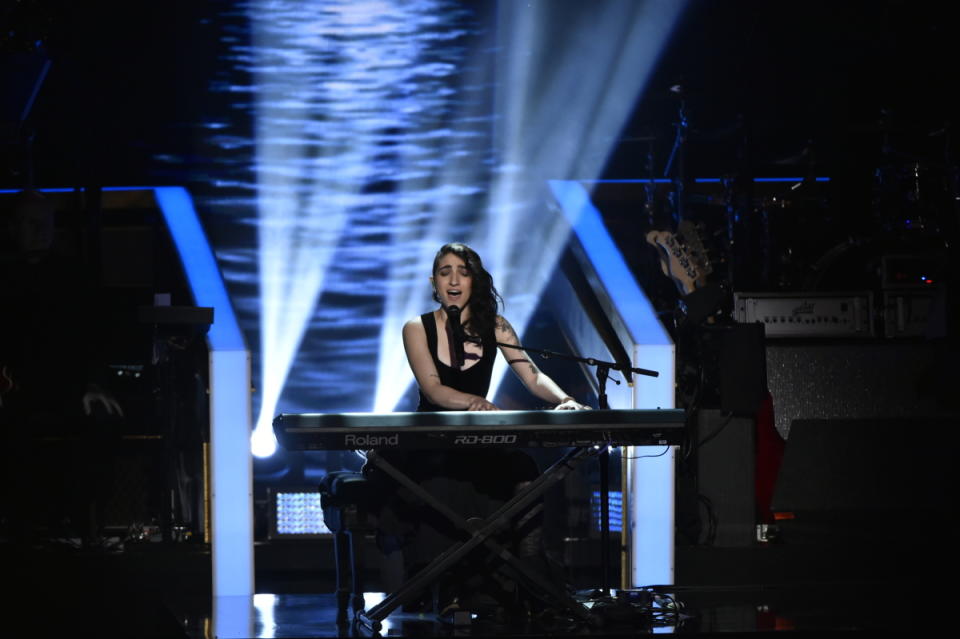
[[451, 351], [459, 280]]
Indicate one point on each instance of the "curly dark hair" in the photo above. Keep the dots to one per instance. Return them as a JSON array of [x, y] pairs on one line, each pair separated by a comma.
[[484, 298]]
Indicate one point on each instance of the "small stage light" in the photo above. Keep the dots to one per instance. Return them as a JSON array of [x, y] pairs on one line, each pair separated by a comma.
[[615, 499], [296, 514]]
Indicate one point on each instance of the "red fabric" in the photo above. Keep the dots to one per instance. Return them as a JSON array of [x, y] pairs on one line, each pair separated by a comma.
[[769, 455]]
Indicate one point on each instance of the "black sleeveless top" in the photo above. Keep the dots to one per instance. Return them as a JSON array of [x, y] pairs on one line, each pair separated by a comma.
[[474, 380]]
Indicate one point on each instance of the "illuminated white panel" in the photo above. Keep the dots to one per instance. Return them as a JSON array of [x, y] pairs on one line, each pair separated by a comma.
[[231, 474], [650, 471], [231, 464], [233, 616]]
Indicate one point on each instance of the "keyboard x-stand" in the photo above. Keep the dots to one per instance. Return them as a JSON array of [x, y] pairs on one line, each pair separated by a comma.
[[480, 533], [586, 433]]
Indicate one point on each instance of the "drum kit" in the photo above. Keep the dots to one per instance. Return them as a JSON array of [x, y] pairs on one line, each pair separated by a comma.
[[811, 231]]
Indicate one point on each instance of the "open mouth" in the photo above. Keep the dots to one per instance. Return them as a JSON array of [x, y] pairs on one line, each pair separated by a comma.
[[454, 294]]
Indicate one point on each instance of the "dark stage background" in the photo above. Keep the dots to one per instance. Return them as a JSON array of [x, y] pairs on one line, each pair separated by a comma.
[[858, 92]]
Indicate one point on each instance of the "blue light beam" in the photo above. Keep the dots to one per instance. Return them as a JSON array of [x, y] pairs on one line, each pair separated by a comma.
[[323, 73]]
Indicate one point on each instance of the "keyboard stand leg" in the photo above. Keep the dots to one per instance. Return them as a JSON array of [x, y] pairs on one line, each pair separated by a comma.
[[479, 535]]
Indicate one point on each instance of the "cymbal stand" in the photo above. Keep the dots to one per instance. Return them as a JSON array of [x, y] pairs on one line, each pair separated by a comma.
[[677, 158], [651, 186], [738, 209]]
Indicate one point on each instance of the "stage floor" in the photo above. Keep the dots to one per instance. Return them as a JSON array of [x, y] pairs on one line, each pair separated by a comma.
[[728, 611], [58, 590]]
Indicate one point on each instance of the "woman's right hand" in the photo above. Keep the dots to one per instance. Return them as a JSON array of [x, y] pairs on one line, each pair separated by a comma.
[[480, 403]]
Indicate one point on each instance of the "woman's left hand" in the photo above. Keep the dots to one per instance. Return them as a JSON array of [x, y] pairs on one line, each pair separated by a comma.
[[571, 404]]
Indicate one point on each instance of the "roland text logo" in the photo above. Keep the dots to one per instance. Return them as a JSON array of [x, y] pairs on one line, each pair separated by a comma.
[[371, 441]]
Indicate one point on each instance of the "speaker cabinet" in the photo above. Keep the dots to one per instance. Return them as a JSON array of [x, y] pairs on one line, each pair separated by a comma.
[[870, 479], [725, 478], [731, 363]]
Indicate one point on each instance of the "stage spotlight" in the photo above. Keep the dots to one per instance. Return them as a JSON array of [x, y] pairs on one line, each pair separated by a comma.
[[325, 77]]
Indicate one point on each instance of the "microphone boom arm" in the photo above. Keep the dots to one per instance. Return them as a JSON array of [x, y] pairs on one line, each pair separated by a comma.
[[590, 361], [603, 368]]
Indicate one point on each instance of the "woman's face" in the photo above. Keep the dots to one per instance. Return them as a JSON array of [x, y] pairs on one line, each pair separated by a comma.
[[453, 281]]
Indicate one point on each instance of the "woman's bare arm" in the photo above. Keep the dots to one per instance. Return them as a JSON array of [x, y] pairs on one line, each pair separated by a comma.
[[536, 381]]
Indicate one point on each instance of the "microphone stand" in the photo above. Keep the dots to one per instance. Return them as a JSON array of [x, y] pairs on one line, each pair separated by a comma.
[[603, 368], [603, 460]]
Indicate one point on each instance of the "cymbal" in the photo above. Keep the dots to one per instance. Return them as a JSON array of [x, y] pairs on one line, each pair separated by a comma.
[[804, 159]]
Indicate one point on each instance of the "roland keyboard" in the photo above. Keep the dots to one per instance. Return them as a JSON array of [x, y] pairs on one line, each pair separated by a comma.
[[466, 429]]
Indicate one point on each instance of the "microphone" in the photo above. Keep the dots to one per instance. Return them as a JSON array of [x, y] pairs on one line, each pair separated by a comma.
[[453, 319]]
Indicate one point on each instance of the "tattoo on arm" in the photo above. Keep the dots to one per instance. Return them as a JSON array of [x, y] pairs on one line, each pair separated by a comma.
[[533, 367], [504, 325]]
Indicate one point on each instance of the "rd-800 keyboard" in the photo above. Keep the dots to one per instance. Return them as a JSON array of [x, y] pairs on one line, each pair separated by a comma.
[[463, 429]]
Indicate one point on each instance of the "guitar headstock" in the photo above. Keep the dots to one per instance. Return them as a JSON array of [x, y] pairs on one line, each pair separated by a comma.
[[683, 257]]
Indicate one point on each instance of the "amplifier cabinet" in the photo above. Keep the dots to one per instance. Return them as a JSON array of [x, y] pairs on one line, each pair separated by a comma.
[[906, 313], [858, 379], [798, 315]]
